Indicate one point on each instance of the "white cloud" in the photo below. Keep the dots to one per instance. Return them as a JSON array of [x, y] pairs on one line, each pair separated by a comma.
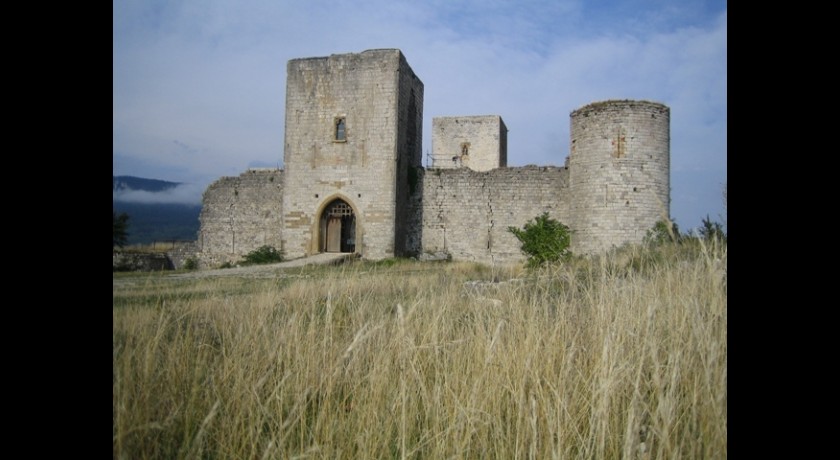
[[199, 86]]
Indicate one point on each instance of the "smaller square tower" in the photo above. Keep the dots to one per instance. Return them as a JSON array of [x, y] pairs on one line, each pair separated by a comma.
[[475, 142]]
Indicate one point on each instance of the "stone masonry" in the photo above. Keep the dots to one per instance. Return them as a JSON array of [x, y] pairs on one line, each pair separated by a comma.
[[467, 213], [379, 100], [240, 214], [620, 172], [353, 180]]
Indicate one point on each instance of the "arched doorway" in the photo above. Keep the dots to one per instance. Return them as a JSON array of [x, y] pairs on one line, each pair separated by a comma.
[[338, 228]]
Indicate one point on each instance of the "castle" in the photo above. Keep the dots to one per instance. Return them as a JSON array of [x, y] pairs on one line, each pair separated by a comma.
[[353, 179]]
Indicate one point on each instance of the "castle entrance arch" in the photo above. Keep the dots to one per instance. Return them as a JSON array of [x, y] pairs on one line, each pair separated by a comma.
[[337, 228]]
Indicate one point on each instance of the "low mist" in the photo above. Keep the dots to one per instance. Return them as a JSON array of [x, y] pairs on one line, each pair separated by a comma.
[[180, 194]]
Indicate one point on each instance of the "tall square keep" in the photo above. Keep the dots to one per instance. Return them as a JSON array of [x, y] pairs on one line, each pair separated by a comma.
[[353, 131]]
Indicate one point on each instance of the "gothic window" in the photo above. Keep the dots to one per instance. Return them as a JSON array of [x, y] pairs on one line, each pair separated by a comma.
[[340, 128]]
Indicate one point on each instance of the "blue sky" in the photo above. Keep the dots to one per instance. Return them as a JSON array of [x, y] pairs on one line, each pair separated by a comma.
[[199, 85]]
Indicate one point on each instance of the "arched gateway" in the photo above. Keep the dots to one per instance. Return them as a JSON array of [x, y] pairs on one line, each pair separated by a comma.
[[337, 228]]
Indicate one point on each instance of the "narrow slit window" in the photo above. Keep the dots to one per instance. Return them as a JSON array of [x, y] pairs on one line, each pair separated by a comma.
[[340, 129]]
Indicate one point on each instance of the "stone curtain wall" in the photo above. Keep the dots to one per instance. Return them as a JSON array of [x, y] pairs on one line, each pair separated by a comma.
[[620, 172], [240, 214], [364, 89], [484, 136], [183, 252], [142, 262], [466, 213]]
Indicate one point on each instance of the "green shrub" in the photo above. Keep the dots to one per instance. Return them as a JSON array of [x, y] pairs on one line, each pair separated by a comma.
[[663, 231], [389, 262], [191, 264], [712, 230], [544, 240], [263, 255]]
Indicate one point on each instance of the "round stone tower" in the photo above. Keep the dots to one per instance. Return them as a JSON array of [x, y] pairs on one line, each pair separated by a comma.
[[619, 172]]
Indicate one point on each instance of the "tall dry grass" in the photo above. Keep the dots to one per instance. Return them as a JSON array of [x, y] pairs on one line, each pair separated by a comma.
[[617, 357]]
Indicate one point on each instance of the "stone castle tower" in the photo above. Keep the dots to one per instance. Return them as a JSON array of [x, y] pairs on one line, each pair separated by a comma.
[[475, 142], [353, 180], [353, 130], [619, 165]]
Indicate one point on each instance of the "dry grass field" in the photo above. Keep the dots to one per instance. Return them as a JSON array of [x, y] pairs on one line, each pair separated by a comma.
[[622, 356]]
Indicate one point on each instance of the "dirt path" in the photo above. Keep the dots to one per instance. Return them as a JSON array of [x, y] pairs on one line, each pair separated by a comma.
[[266, 270], [252, 271]]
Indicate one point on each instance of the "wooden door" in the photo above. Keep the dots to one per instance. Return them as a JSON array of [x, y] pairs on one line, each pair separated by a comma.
[[334, 234]]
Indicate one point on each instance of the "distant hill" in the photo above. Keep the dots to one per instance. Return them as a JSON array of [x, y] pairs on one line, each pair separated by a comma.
[[156, 222], [139, 183]]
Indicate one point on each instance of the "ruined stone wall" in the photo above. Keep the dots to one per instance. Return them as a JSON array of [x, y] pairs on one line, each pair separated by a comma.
[[240, 214], [141, 262], [364, 90], [619, 167], [184, 251], [466, 213], [475, 142]]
